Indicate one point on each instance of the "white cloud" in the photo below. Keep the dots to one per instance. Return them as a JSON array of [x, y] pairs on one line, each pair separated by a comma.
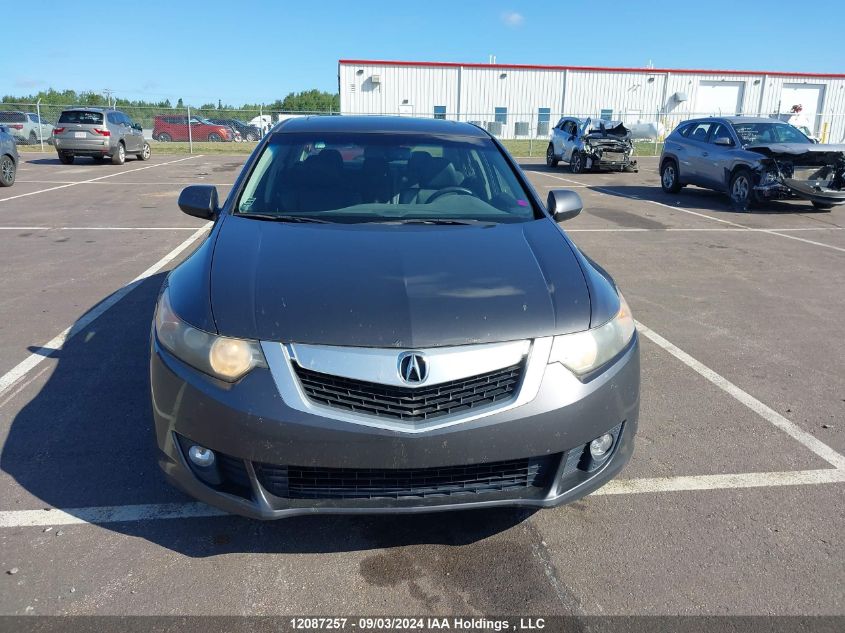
[[29, 82], [513, 19]]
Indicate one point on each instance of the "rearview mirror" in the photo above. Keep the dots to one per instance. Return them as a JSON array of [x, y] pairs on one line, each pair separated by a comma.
[[724, 140], [564, 204], [199, 201]]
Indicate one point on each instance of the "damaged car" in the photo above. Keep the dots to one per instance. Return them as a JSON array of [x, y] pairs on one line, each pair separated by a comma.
[[591, 145], [753, 160]]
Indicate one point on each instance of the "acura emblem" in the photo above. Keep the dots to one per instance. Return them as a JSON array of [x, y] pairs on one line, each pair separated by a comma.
[[413, 368]]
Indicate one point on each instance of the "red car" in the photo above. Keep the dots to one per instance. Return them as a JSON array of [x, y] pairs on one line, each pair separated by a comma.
[[173, 127]]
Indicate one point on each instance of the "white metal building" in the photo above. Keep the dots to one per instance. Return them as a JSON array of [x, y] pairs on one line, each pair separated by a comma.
[[521, 100]]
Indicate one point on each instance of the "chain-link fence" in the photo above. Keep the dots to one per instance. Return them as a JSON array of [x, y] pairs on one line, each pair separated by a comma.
[[186, 129], [33, 123]]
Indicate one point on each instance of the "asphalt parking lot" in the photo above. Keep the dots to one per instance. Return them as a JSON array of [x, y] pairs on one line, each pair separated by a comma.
[[733, 503]]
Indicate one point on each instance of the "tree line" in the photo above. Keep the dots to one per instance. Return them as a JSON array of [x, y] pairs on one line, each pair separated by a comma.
[[143, 110]]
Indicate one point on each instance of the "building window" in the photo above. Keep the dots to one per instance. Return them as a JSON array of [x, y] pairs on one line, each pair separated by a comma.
[[501, 115], [544, 115], [439, 112], [606, 115]]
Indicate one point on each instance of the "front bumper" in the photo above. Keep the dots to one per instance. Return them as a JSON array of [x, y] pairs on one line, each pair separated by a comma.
[[250, 424], [617, 161]]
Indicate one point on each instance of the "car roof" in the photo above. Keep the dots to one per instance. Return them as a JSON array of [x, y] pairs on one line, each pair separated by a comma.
[[89, 109], [737, 119], [378, 125]]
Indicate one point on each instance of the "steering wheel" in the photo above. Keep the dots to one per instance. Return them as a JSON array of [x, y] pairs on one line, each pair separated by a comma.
[[458, 191]]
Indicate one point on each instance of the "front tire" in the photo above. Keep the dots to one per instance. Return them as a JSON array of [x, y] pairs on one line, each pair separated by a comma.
[[741, 190], [32, 138], [669, 181], [146, 152], [66, 159], [214, 138], [8, 171], [576, 163], [551, 159], [251, 137], [821, 206], [119, 156]]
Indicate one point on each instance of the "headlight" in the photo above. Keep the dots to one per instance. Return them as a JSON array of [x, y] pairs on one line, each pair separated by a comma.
[[583, 352], [220, 356], [768, 177]]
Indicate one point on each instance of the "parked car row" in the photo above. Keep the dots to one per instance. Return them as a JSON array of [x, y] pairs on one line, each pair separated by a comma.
[[175, 127], [26, 127], [752, 159]]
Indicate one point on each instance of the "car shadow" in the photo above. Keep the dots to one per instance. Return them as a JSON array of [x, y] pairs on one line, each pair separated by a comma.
[[43, 161], [86, 439], [697, 199], [690, 197]]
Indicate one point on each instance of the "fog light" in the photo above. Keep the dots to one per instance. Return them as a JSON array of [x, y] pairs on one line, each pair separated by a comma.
[[600, 446], [201, 456]]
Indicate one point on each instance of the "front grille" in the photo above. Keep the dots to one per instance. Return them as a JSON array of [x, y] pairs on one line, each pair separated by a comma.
[[410, 405], [298, 482], [613, 156]]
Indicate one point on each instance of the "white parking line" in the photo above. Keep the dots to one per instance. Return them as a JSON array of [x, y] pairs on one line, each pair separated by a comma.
[[106, 514], [193, 510], [808, 440], [53, 345], [98, 228], [115, 182], [82, 182], [722, 482], [705, 230], [611, 192]]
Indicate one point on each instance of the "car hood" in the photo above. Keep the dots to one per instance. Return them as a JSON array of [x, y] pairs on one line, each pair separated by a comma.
[[398, 286], [601, 128], [796, 149]]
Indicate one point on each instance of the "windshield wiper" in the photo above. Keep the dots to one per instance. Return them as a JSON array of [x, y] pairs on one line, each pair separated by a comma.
[[438, 221], [284, 218]]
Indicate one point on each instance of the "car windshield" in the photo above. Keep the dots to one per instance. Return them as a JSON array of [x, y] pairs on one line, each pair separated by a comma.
[[352, 177], [754, 133]]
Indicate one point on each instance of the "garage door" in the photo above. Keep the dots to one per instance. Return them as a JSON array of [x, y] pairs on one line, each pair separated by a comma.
[[809, 96], [719, 97]]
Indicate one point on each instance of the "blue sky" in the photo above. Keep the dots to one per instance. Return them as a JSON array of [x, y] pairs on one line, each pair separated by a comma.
[[254, 51]]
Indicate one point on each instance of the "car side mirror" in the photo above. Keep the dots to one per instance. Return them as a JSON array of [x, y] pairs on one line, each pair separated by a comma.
[[725, 141], [564, 204], [199, 201], [137, 126]]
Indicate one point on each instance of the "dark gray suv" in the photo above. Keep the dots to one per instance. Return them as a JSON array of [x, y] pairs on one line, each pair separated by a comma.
[[98, 133], [386, 318], [753, 159]]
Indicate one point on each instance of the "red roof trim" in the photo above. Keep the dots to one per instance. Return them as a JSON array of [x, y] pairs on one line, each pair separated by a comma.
[[688, 71]]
